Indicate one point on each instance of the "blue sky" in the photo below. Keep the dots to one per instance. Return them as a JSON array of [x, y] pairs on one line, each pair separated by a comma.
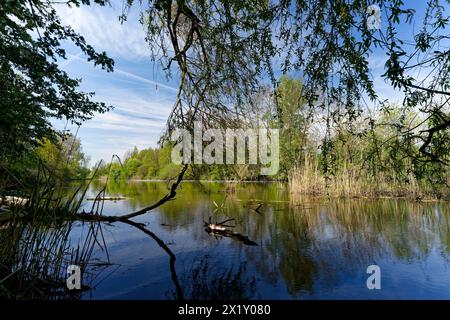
[[138, 89]]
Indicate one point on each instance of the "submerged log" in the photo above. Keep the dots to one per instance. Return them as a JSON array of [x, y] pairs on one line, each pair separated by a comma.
[[231, 234], [222, 229], [215, 227]]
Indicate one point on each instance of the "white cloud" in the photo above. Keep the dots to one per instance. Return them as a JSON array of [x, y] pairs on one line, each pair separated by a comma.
[[71, 58], [102, 29], [126, 124], [145, 80], [119, 73], [135, 105], [385, 91], [376, 62], [140, 114], [135, 121], [138, 119]]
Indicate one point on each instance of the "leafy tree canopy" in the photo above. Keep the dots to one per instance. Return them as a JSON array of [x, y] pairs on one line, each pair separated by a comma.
[[33, 88], [224, 48]]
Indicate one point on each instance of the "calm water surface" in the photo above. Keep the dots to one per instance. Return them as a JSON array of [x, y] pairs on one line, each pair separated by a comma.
[[297, 248]]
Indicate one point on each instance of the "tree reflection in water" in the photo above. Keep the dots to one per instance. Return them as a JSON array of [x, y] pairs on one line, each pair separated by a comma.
[[206, 280], [305, 247]]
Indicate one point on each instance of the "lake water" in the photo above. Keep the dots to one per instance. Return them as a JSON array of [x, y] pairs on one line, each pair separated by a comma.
[[302, 248]]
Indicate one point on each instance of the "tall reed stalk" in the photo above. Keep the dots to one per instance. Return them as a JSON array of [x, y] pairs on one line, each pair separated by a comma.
[[36, 246]]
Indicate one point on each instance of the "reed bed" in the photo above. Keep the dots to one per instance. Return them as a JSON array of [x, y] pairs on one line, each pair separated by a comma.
[[357, 182]]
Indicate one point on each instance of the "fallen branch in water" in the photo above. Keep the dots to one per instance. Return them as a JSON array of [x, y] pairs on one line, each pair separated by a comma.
[[257, 208], [231, 234], [221, 229], [167, 197], [218, 226]]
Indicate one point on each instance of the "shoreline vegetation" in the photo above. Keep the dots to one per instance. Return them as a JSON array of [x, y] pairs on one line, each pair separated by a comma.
[[315, 185], [300, 187], [306, 181]]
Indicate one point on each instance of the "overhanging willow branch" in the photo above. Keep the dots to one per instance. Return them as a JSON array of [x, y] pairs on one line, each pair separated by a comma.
[[167, 197]]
